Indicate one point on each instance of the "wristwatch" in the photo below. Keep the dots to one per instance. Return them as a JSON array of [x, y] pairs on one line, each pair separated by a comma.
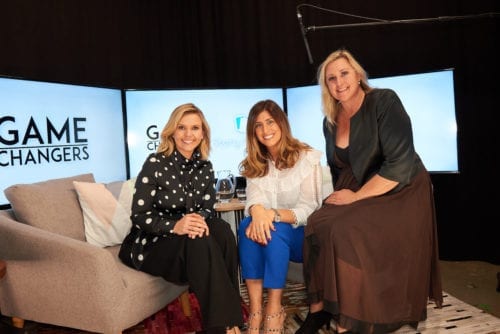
[[277, 217]]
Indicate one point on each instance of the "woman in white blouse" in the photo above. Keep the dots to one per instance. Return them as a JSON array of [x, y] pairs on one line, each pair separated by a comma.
[[283, 188]]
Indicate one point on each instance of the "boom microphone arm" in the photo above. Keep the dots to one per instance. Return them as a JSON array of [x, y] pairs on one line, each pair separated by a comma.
[[304, 37]]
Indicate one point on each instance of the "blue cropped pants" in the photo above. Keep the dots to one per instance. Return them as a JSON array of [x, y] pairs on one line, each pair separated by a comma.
[[270, 262]]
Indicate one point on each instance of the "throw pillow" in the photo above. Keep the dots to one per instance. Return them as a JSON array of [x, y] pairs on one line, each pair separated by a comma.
[[51, 205], [106, 211]]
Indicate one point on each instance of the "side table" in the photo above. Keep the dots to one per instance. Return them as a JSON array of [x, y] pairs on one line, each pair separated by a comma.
[[233, 213]]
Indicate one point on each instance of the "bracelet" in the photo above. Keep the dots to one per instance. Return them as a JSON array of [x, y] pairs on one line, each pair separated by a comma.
[[277, 216]]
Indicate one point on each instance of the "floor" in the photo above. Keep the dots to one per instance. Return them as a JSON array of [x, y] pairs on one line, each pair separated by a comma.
[[473, 282], [471, 303]]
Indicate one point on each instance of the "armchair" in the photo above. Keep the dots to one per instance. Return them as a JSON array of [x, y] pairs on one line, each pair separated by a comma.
[[54, 276]]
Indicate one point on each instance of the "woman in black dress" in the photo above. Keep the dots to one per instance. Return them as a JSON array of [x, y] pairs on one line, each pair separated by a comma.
[[370, 253], [175, 233]]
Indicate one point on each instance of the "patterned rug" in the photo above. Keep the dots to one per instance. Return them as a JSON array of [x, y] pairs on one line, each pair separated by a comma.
[[456, 317]]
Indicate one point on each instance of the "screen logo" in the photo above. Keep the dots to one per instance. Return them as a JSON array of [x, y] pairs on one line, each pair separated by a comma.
[[39, 142], [240, 123]]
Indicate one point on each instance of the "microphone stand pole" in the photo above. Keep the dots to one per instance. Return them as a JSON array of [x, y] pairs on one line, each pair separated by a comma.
[[387, 22]]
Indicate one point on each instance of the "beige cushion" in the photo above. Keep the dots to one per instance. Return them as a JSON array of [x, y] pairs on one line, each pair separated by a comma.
[[51, 205], [106, 211]]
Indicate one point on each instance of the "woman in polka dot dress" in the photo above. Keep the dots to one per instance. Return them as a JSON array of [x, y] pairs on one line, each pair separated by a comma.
[[175, 233]]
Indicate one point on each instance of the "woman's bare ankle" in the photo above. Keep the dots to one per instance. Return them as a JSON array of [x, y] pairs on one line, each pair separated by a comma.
[[255, 322], [316, 307]]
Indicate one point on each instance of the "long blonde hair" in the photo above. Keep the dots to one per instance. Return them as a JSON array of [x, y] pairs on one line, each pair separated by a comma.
[[330, 105], [256, 162], [167, 142]]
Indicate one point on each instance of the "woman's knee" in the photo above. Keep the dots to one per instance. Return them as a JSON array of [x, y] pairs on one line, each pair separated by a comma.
[[197, 243]]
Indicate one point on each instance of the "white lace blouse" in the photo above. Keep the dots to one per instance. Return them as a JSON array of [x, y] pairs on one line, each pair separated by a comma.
[[298, 188]]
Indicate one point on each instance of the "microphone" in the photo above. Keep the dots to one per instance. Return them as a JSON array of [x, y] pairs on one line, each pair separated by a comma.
[[304, 37]]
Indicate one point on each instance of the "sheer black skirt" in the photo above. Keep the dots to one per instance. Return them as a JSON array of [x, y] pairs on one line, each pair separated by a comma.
[[374, 263]]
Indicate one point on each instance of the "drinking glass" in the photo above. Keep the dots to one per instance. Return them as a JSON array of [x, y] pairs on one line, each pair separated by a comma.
[[241, 194]]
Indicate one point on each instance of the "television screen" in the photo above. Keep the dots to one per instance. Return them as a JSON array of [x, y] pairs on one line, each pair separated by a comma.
[[427, 97], [226, 111], [53, 130]]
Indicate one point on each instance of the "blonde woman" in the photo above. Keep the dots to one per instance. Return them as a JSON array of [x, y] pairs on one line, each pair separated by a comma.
[[370, 253], [175, 233]]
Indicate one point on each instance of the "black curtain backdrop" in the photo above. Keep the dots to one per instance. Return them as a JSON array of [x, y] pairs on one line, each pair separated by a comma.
[[152, 44]]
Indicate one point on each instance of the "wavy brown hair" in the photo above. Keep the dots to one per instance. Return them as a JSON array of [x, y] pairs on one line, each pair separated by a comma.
[[256, 162], [167, 142]]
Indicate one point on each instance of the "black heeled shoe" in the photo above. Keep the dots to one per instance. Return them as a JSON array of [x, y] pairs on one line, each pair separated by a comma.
[[314, 322]]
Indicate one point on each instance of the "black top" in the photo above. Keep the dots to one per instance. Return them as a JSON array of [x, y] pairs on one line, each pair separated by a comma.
[[167, 188], [380, 141]]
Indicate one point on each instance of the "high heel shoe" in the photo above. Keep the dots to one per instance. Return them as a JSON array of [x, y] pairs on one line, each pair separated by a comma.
[[254, 317], [314, 321], [281, 315]]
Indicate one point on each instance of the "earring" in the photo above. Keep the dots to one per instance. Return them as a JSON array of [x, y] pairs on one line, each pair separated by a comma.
[[359, 82]]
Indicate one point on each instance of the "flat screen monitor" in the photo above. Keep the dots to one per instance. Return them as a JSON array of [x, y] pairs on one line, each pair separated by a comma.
[[54, 130], [428, 98], [226, 111]]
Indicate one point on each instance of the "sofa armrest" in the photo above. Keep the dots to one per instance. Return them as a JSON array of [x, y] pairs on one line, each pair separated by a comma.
[[47, 269]]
